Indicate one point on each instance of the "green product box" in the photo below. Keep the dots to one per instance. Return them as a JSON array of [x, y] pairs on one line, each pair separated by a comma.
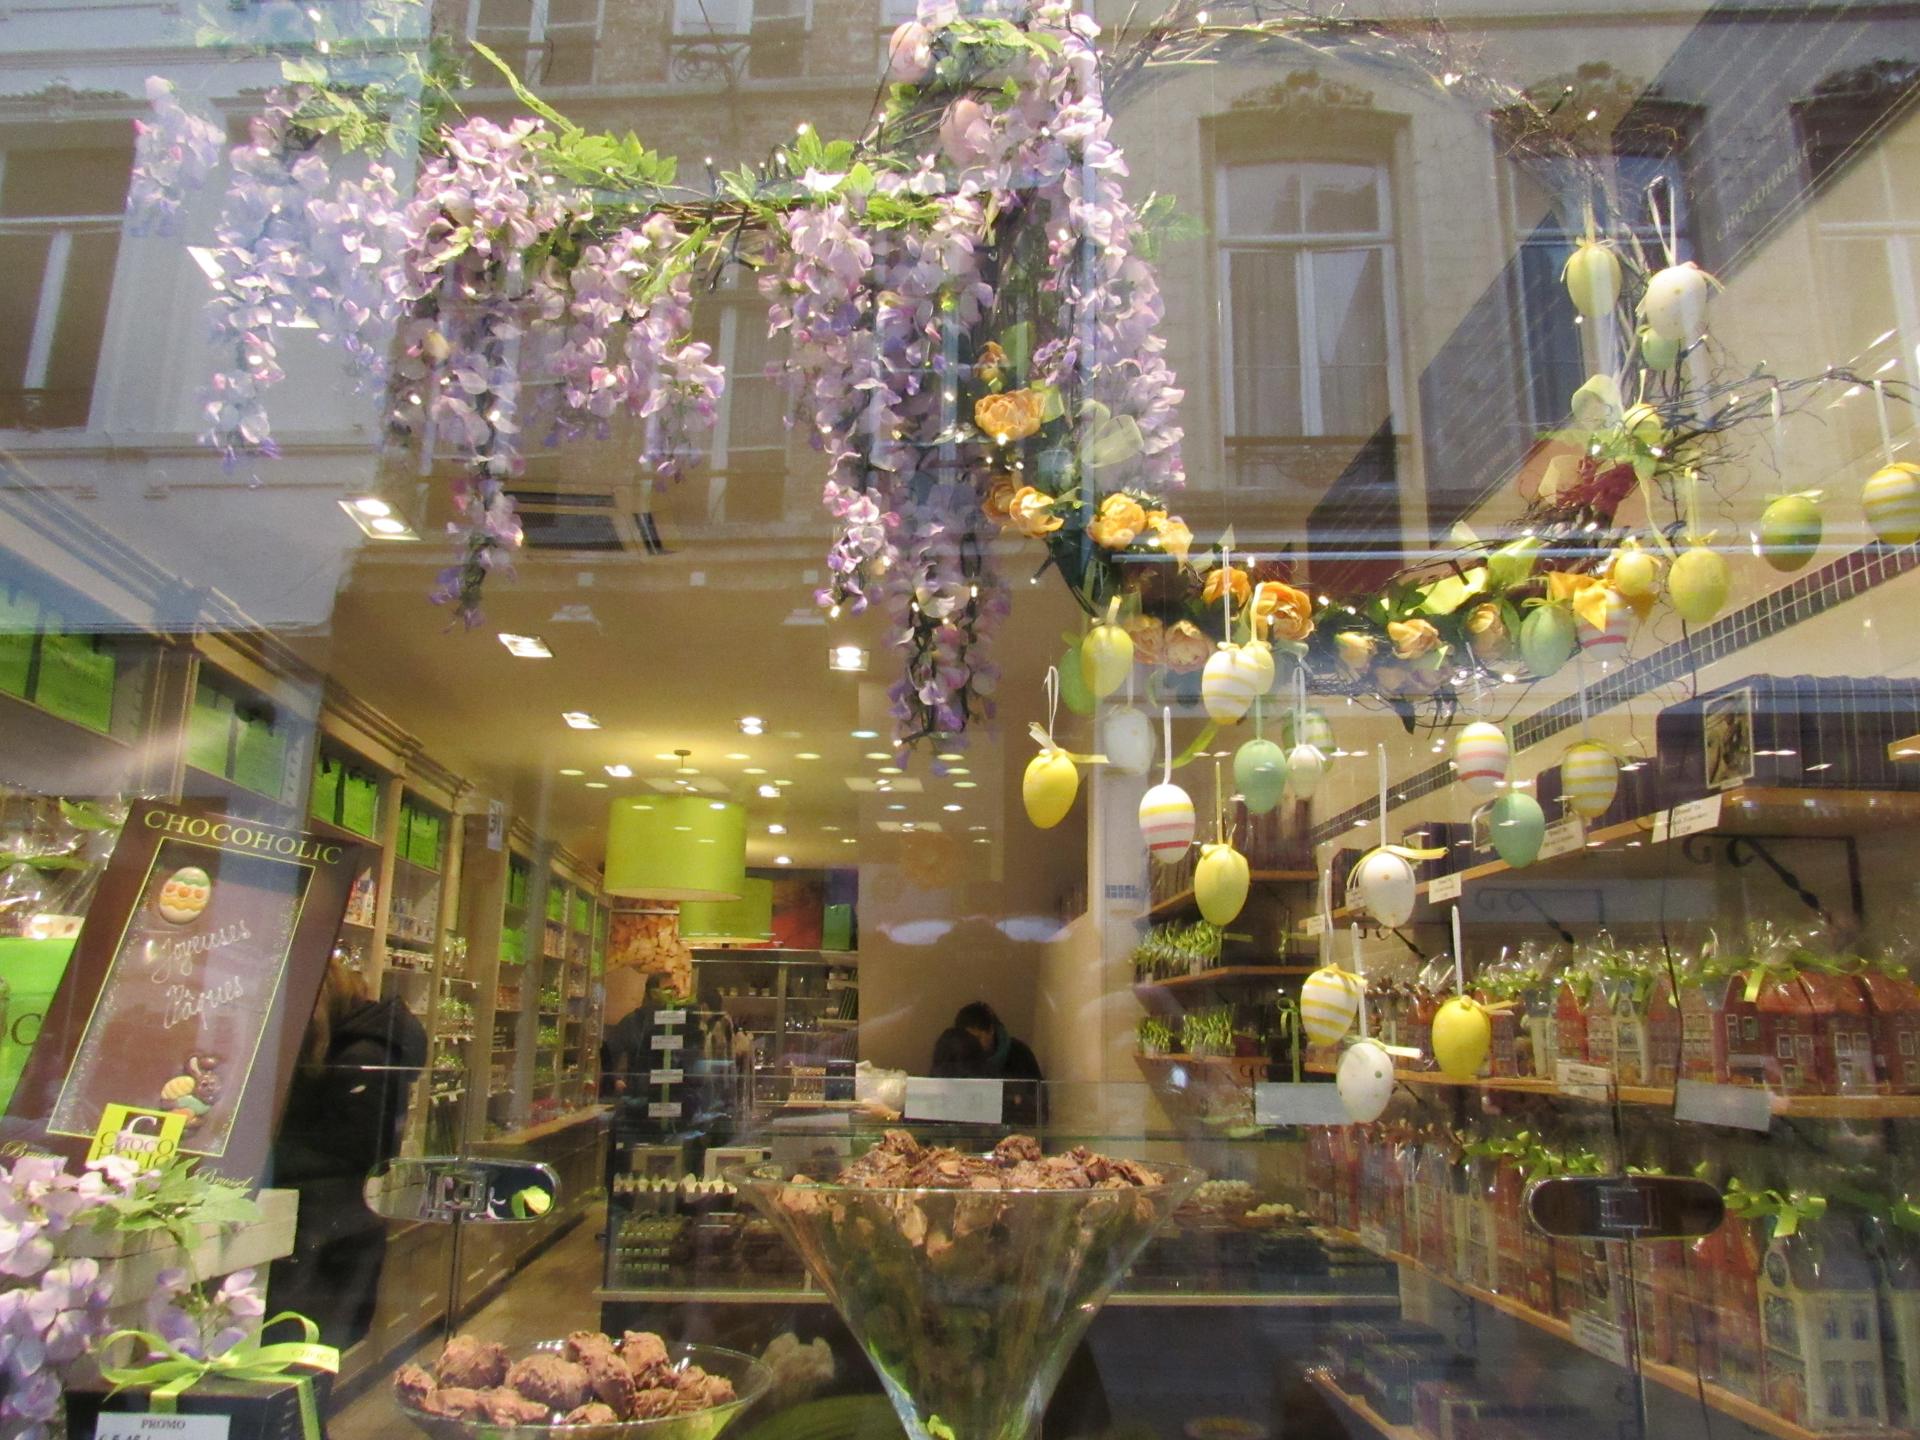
[[260, 756], [76, 680], [19, 620], [556, 900], [582, 912], [30, 972], [209, 731], [428, 836], [360, 804], [325, 801], [836, 928]]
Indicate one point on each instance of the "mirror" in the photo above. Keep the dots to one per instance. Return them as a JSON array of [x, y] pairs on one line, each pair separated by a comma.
[[443, 1188], [1625, 1207]]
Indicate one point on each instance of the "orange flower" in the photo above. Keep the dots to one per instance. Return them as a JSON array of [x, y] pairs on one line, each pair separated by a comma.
[[1218, 580], [1412, 638], [997, 504], [1287, 610], [1012, 416], [1149, 639], [1487, 635], [1172, 532], [1119, 520], [987, 365], [1187, 647], [1356, 649], [1031, 513]]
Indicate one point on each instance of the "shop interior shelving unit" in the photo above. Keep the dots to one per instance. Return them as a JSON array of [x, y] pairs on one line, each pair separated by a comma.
[[800, 1009]]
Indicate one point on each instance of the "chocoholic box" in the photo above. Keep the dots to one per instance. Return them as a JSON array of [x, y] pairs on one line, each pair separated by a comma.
[[1746, 733], [254, 1409]]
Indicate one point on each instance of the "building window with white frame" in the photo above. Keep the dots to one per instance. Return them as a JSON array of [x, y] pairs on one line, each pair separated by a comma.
[[551, 42], [745, 39], [1306, 276], [60, 216], [747, 454]]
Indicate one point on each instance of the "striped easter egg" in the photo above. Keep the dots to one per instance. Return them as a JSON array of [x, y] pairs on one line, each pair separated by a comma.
[[1589, 776], [1608, 642], [1312, 730], [1481, 755], [1329, 1001], [1305, 767], [1256, 662], [1891, 498], [1226, 686], [1166, 823]]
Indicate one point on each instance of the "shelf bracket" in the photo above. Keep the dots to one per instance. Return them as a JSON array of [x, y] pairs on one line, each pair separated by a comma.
[[1742, 851], [1515, 898]]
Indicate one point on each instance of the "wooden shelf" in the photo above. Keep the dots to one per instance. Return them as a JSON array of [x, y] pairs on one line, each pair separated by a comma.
[[1120, 1299], [1219, 975], [1352, 1407], [1175, 904], [1808, 1107]]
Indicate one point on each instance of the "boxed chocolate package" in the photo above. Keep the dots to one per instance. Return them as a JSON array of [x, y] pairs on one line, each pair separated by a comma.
[[254, 1409]]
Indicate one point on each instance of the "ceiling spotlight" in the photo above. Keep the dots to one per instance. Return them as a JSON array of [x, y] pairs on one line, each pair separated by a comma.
[[596, 784], [878, 755], [783, 859], [849, 658], [378, 523], [573, 772], [738, 755], [807, 755], [388, 526], [525, 647], [768, 792], [950, 809], [371, 506], [964, 785], [754, 770], [783, 783], [776, 829], [950, 755], [896, 807], [752, 725], [579, 720], [891, 770], [620, 772], [866, 734]]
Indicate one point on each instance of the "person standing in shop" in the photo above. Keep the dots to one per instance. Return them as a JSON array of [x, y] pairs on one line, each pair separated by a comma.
[[345, 1114], [1005, 1057]]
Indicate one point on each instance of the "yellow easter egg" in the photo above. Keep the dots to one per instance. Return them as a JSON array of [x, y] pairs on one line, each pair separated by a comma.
[[1891, 498], [1592, 276], [1634, 573], [1048, 788], [1462, 1036], [1329, 1002], [1256, 663], [1106, 655], [1220, 881], [1698, 584], [1589, 776], [1226, 690], [1480, 758]]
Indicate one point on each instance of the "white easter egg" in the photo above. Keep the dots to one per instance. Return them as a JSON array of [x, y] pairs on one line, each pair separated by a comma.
[[1364, 1080], [1329, 1001], [1383, 884], [1589, 776], [1608, 641], [1166, 823], [1305, 767], [1226, 689], [1313, 730], [1481, 756], [1126, 739], [1675, 305]]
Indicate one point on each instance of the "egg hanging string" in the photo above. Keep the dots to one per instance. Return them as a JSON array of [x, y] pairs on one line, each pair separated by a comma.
[[1669, 233], [1459, 955], [1360, 973], [1880, 410], [1380, 749], [1044, 737], [1166, 745], [1779, 433]]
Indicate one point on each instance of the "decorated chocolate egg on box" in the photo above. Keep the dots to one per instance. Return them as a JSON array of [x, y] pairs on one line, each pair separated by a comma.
[[1519, 825], [1481, 756], [1589, 776], [1260, 775], [1311, 728], [1049, 786], [1697, 584], [1106, 655], [1891, 498], [1675, 305], [1166, 823], [1364, 1080], [1126, 739], [1305, 768], [1226, 688], [1462, 1036], [1329, 1002], [1220, 882], [1607, 641], [1383, 884]]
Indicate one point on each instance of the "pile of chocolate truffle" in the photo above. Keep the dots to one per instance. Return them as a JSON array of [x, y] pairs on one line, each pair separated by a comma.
[[592, 1380], [899, 1162]]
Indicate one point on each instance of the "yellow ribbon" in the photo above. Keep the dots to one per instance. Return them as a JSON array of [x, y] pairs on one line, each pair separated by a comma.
[[1587, 594], [177, 1372], [1414, 852], [1046, 742]]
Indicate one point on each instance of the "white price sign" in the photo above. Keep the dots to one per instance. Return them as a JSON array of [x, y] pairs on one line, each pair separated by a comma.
[[1446, 887], [1278, 1104], [1746, 1107], [664, 1110], [1598, 1337], [666, 1077], [669, 1042], [113, 1426], [1313, 925], [1563, 837], [670, 1017], [1688, 819], [1588, 1082], [974, 1102]]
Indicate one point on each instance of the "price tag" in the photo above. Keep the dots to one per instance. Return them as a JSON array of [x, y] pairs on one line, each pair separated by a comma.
[[1447, 887], [496, 837], [1688, 819], [975, 1102], [1587, 1082], [1746, 1107], [664, 1110], [1277, 1104], [114, 1426], [670, 1017], [666, 1077], [1598, 1337], [1313, 925], [669, 1042], [1563, 837]]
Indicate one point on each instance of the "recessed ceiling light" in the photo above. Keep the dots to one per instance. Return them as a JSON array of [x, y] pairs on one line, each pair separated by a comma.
[[976, 827], [767, 792], [959, 770], [387, 525], [776, 829], [878, 755], [891, 770], [949, 755], [783, 782], [754, 770], [952, 808], [620, 772], [807, 755], [866, 734], [847, 840], [752, 725], [371, 505], [525, 647], [849, 658], [596, 784], [896, 807], [738, 755], [573, 772], [716, 805], [981, 840], [831, 829], [964, 785], [783, 859], [579, 720], [686, 770], [666, 755]]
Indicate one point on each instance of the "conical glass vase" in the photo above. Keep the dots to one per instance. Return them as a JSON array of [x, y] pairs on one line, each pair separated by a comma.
[[968, 1302]]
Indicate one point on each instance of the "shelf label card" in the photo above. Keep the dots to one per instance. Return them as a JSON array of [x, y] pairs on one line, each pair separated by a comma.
[[1446, 887], [664, 1110], [1313, 925], [1585, 1082], [1746, 1107], [1598, 1337], [666, 1077], [114, 1426], [1688, 819], [1278, 1104], [974, 1102], [669, 1042], [1563, 837], [670, 1017]]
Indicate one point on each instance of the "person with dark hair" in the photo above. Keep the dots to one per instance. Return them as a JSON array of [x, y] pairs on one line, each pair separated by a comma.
[[957, 1055], [1007, 1058], [345, 1113]]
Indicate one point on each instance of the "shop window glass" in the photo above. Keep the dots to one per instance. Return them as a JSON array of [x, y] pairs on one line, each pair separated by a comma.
[[754, 39], [549, 41]]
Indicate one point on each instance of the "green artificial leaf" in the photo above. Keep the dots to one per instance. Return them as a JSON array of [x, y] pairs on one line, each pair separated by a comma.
[[303, 72], [1450, 592], [525, 96], [859, 181]]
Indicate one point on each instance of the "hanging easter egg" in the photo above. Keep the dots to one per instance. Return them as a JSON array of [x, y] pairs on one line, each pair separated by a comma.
[[1790, 530], [1634, 572], [1074, 693], [1220, 881], [1519, 825], [1592, 276], [1226, 689], [1675, 305], [1364, 1080], [1589, 776], [1657, 352], [1106, 655], [1547, 639], [1312, 729], [1383, 885], [1126, 739], [1891, 498], [1259, 774], [1607, 641], [1698, 584], [1166, 823], [1048, 788], [1256, 663], [1305, 768], [1481, 756], [1462, 1037], [1329, 1001]]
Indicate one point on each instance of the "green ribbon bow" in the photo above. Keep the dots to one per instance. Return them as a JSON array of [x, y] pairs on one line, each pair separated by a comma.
[[1788, 1210], [175, 1372], [1759, 972]]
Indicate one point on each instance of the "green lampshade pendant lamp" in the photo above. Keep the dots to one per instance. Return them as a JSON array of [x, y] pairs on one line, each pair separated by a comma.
[[676, 847], [746, 921]]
